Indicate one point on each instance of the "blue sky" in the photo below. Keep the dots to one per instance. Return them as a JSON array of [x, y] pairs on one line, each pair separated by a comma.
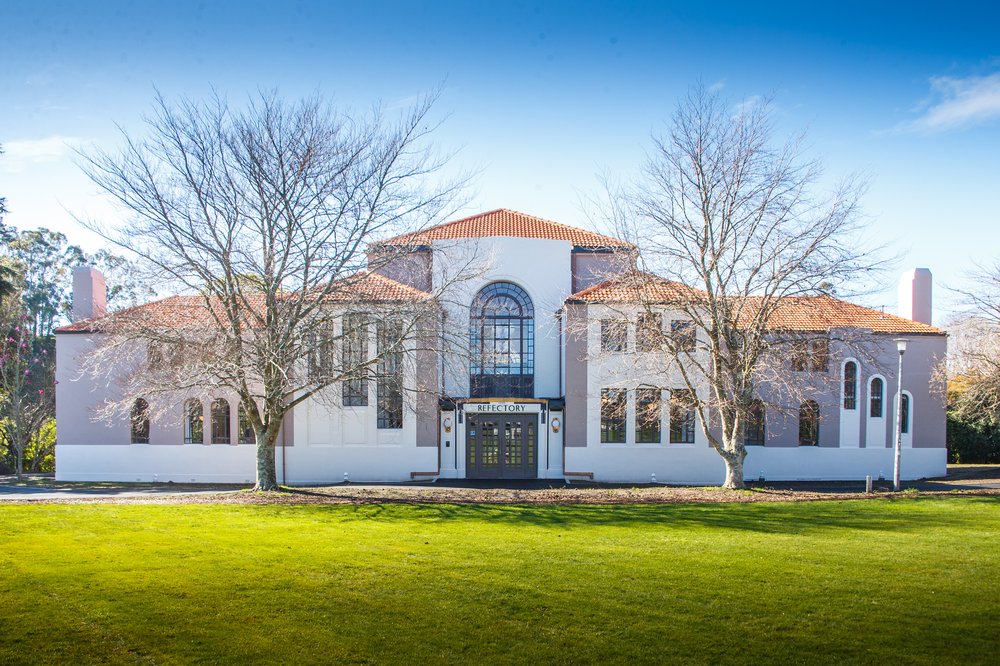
[[539, 97]]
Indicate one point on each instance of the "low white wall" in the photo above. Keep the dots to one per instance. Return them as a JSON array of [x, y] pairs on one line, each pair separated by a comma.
[[199, 463], [701, 465]]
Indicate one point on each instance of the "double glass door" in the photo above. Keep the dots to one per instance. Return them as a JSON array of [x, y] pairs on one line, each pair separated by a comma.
[[501, 447]]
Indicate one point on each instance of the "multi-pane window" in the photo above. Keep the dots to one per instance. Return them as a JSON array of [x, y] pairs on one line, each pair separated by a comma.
[[850, 385], [613, 416], [649, 332], [875, 398], [682, 332], [140, 422], [320, 345], [220, 421], [194, 422], [809, 423], [354, 361], [502, 337], [904, 416], [389, 374], [811, 355], [614, 335], [246, 429], [682, 416], [647, 416], [755, 433]]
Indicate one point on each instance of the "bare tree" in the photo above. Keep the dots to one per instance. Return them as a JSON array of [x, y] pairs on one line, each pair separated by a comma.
[[742, 222], [263, 216], [974, 354]]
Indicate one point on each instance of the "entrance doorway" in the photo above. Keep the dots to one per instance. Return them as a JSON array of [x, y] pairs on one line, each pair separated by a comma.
[[499, 446]]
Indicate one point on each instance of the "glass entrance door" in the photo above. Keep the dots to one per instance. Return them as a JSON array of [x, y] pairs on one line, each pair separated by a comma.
[[501, 447]]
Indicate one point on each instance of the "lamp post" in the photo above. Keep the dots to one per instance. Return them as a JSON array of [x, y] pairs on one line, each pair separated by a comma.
[[901, 348]]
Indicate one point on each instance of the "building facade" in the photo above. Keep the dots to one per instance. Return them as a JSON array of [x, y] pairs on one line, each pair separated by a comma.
[[548, 374]]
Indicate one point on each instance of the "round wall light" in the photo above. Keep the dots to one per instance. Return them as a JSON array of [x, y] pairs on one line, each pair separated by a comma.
[[555, 424], [447, 424]]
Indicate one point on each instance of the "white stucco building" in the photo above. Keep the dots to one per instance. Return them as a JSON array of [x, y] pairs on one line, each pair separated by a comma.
[[547, 391]]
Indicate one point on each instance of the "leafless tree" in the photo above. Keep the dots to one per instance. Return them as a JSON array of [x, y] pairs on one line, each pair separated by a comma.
[[264, 214], [974, 353], [741, 220]]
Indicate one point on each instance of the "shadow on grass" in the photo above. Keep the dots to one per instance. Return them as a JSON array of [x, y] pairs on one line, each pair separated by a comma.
[[904, 514]]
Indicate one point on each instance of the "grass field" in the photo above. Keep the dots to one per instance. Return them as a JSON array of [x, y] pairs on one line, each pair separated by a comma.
[[909, 581]]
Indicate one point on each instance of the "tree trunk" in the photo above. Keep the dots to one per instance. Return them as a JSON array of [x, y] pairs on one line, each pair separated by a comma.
[[267, 477], [734, 469]]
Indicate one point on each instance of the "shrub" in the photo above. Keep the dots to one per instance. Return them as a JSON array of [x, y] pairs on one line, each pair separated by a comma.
[[972, 441]]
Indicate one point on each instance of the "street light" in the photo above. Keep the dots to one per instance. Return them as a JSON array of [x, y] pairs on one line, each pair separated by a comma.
[[901, 348]]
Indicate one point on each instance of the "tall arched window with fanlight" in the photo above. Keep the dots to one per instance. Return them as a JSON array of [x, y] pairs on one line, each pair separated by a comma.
[[502, 336]]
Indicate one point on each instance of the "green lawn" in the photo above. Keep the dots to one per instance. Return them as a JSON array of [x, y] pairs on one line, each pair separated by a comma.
[[909, 581]]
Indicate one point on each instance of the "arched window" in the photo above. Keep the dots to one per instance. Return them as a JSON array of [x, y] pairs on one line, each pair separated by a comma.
[[809, 423], [875, 398], [140, 422], [850, 385], [194, 423], [904, 417], [220, 421], [502, 336], [755, 432]]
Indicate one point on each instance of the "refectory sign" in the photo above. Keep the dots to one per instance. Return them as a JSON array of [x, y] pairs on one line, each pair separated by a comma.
[[499, 407]]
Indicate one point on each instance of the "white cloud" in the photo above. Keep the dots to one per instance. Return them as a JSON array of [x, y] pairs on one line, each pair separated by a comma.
[[746, 105], [717, 86], [32, 151], [957, 103]]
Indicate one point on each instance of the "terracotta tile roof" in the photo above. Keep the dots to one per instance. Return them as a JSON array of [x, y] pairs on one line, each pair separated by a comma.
[[801, 313], [636, 287], [504, 222], [821, 313], [191, 311]]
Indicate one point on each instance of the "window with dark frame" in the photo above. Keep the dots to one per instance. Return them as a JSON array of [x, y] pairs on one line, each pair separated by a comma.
[[682, 416], [682, 332], [502, 339], [811, 355], [321, 356], [139, 418], [220, 421], [809, 423], [904, 417], [648, 415], [355, 355], [389, 375], [194, 422], [613, 416], [614, 335], [649, 332], [245, 428], [755, 432], [875, 398], [850, 385]]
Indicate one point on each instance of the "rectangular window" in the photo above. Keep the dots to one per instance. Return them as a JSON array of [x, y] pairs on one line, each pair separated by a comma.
[[754, 433], [647, 416], [649, 332], [614, 335], [354, 361], [850, 385], [613, 416], [811, 355], [389, 381], [682, 416], [683, 335], [904, 417], [320, 351]]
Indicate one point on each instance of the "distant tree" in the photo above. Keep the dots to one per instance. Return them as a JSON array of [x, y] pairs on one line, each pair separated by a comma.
[[265, 212], [47, 260], [125, 284], [723, 208]]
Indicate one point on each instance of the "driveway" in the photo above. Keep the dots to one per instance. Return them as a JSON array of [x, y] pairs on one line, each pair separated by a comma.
[[42, 487]]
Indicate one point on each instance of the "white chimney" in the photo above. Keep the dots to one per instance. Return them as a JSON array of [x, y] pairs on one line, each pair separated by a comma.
[[90, 294], [915, 295]]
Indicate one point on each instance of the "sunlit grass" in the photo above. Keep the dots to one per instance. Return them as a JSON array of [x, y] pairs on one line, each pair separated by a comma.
[[913, 581]]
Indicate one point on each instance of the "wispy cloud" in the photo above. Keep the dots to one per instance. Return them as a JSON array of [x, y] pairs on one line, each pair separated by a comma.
[[746, 105], [957, 103], [17, 154], [717, 86]]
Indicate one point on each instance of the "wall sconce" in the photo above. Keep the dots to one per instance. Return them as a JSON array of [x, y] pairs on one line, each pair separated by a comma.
[[447, 424], [555, 424]]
